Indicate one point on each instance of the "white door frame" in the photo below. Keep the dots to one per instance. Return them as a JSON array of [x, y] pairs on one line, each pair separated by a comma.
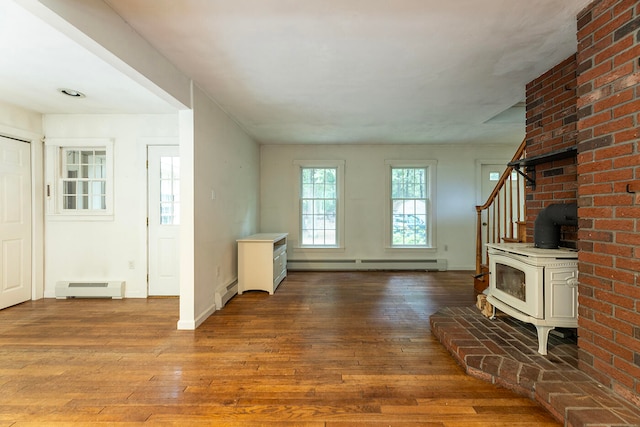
[[479, 164], [479, 180], [153, 272], [37, 216]]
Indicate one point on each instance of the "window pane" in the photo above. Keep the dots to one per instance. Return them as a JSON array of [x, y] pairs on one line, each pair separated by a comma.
[[166, 213], [318, 223], [307, 191], [166, 167], [330, 176], [398, 207], [330, 221], [100, 172], [318, 191], [330, 237], [101, 157], [71, 157], [83, 202], [169, 190], [97, 202], [307, 207], [85, 173], [408, 206], [69, 187], [330, 207], [69, 202], [86, 157], [176, 191], [98, 188], [72, 172], [396, 189], [306, 175], [307, 222], [330, 192], [307, 237], [166, 191], [83, 188]]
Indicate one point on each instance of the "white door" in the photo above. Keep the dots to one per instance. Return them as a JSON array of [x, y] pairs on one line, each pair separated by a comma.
[[163, 180], [490, 176], [15, 222]]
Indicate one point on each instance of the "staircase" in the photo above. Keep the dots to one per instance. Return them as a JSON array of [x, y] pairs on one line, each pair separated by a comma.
[[501, 219]]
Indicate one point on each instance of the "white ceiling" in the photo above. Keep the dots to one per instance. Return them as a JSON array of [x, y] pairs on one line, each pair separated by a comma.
[[36, 60], [315, 71]]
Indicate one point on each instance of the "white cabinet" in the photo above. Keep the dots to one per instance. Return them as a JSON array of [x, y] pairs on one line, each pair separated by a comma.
[[262, 262]]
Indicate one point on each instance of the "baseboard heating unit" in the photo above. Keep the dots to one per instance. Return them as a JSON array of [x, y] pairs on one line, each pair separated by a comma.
[[222, 296], [112, 289], [367, 264]]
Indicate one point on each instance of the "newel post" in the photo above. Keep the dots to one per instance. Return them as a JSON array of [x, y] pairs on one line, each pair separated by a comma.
[[479, 240]]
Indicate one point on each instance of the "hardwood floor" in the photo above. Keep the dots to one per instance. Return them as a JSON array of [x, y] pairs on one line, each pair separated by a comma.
[[327, 349]]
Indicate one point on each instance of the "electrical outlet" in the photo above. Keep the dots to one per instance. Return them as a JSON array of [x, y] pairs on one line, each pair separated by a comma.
[[132, 265]]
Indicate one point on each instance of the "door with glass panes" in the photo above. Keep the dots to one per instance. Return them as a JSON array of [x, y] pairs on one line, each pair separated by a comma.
[[163, 220]]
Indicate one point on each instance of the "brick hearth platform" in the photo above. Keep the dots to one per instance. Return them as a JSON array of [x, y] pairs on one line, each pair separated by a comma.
[[504, 351]]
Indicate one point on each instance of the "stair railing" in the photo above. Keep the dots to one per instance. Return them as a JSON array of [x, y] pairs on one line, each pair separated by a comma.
[[504, 212]]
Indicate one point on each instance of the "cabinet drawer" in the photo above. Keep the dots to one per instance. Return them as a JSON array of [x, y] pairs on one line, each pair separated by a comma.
[[279, 250], [277, 266]]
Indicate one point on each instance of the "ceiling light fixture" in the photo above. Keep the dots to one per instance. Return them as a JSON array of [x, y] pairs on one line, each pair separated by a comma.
[[71, 92]]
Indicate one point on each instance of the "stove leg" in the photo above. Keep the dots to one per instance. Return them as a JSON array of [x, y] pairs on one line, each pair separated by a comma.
[[543, 338], [493, 311]]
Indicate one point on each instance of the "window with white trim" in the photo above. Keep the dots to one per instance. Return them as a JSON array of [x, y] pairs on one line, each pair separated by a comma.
[[410, 221], [320, 206], [84, 179], [79, 178]]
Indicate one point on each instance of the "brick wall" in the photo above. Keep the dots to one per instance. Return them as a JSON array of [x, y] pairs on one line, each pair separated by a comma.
[[609, 226], [552, 125]]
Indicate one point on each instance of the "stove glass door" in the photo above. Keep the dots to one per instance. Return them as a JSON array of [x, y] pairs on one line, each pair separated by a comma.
[[511, 281]]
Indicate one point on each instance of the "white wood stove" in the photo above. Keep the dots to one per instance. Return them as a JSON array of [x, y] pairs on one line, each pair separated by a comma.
[[534, 285]]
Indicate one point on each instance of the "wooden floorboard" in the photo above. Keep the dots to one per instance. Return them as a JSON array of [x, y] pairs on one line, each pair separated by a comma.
[[327, 349]]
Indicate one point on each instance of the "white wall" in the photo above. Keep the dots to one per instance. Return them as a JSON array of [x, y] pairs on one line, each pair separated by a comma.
[[226, 181], [216, 155], [365, 200], [23, 124], [103, 250]]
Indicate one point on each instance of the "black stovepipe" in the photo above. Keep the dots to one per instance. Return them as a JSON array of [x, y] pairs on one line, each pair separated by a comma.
[[546, 231]]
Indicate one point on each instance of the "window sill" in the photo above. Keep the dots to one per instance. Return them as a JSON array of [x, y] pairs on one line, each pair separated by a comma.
[[420, 249], [317, 249], [80, 217]]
